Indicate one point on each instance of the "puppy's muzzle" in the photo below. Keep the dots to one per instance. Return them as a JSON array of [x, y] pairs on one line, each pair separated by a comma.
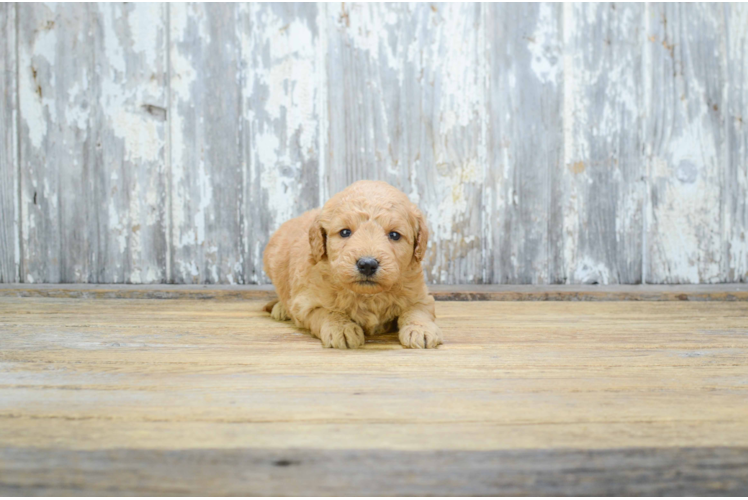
[[367, 266]]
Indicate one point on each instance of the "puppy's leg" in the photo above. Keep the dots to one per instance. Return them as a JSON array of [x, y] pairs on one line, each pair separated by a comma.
[[335, 330], [418, 330]]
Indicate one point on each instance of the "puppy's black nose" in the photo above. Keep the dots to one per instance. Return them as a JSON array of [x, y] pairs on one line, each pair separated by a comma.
[[367, 265]]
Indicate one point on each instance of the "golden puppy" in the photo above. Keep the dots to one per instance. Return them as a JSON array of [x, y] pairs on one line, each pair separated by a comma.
[[354, 268]]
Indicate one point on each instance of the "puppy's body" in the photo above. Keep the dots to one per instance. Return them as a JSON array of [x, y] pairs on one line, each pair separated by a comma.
[[316, 267]]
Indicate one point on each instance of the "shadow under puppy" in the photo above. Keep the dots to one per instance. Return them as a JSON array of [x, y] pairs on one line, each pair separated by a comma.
[[353, 268]]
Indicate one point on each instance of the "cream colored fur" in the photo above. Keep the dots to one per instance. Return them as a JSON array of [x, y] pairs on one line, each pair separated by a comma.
[[314, 269]]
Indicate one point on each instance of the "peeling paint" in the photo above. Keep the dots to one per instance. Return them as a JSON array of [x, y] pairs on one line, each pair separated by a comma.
[[282, 92], [574, 143], [545, 47], [600, 196], [685, 234], [37, 110]]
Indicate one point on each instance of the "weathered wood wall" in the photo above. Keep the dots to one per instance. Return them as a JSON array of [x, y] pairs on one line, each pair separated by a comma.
[[547, 143]]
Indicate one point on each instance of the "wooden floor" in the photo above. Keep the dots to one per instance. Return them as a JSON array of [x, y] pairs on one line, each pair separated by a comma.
[[212, 397]]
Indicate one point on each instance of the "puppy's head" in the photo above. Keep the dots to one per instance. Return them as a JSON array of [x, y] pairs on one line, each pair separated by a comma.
[[371, 234]]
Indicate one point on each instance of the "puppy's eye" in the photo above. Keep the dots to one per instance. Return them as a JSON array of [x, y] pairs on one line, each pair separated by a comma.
[[394, 235], [345, 233]]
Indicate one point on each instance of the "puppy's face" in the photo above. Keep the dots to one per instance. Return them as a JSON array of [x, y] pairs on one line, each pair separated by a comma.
[[370, 234]]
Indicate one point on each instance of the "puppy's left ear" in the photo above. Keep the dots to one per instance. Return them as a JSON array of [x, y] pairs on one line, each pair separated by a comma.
[[422, 236], [318, 240]]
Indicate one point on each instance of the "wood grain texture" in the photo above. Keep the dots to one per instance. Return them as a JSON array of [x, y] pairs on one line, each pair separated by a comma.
[[129, 129], [10, 252], [601, 184], [685, 91], [92, 143], [735, 192], [406, 96], [451, 167], [282, 97], [207, 147], [57, 100], [305, 472], [547, 144], [699, 293], [372, 92], [525, 141], [157, 384]]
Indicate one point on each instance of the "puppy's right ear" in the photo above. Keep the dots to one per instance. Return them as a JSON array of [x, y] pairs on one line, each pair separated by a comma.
[[318, 240], [422, 235]]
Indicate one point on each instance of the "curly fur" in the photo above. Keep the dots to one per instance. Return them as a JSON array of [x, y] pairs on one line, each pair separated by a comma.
[[319, 286]]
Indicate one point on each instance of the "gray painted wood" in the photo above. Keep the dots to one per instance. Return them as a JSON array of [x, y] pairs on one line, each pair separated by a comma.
[[9, 218], [600, 182], [283, 95], [448, 170], [207, 150], [735, 191], [525, 99], [685, 84], [406, 94], [93, 104], [545, 143], [369, 85], [57, 95], [129, 129], [714, 471]]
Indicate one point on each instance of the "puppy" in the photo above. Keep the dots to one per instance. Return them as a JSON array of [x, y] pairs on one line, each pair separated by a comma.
[[353, 268]]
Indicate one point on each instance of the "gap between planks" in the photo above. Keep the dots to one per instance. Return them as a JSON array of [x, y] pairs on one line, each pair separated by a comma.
[[724, 292]]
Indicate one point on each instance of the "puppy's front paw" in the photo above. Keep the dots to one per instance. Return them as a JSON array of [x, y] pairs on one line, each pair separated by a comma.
[[417, 336], [279, 312], [342, 336]]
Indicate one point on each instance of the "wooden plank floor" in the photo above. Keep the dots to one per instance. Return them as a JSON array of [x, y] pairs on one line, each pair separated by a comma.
[[212, 397]]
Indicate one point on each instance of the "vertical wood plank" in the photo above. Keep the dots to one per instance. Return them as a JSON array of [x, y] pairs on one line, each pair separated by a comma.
[[601, 179], [59, 209], [130, 130], [448, 169], [9, 217], [92, 113], [685, 97], [207, 152], [525, 139], [735, 189], [368, 83], [280, 50], [406, 100], [448, 166]]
